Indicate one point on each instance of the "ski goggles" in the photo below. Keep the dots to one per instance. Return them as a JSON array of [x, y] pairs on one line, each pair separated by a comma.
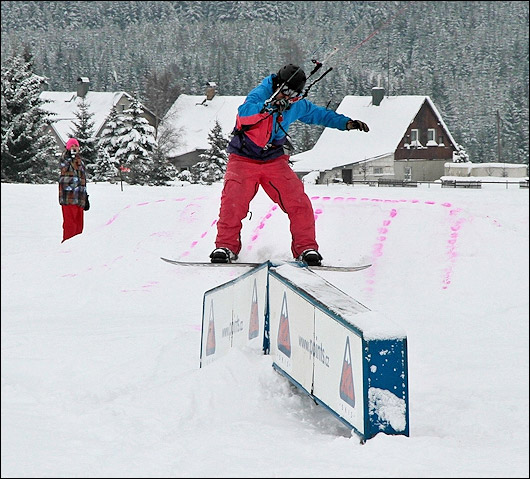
[[289, 92]]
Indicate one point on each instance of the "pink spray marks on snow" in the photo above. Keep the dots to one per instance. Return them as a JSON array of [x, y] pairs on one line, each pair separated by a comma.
[[105, 266], [319, 211], [262, 223], [196, 242], [452, 253], [189, 216], [146, 288], [377, 249], [109, 222], [115, 217], [383, 231]]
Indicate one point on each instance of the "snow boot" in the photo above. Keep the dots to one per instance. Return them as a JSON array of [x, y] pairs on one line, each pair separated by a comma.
[[310, 257], [222, 255]]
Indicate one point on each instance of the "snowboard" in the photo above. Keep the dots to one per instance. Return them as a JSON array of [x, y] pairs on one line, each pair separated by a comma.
[[254, 265]]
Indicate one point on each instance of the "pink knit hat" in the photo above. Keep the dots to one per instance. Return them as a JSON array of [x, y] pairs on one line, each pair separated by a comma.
[[71, 142]]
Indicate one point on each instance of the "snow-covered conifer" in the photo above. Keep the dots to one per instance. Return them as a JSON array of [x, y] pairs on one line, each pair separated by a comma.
[[107, 166], [136, 144], [29, 154], [84, 132], [213, 162], [460, 155]]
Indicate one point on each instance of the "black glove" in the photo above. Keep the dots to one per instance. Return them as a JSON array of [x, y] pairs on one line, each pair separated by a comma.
[[357, 125], [281, 105], [87, 204]]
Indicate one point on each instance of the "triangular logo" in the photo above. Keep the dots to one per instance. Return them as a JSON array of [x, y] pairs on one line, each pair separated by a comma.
[[346, 378], [253, 327], [210, 342], [284, 338]]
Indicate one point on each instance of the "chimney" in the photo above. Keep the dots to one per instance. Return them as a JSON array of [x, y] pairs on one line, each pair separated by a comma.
[[211, 90], [82, 86], [378, 93], [43, 83]]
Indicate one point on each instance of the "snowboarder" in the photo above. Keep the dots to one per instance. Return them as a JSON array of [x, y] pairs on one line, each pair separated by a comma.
[[259, 154], [73, 196]]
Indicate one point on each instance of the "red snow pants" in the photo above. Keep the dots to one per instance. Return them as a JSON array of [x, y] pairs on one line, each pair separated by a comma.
[[242, 180], [72, 221]]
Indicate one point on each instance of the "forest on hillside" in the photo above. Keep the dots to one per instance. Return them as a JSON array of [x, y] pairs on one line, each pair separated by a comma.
[[470, 57]]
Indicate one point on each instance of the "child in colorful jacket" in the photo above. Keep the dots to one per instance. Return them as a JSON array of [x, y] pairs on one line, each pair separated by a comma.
[[73, 196], [259, 156]]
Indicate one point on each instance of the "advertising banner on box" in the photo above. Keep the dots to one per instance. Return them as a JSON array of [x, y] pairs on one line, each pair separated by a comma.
[[291, 332], [234, 315], [349, 359], [339, 369], [250, 298]]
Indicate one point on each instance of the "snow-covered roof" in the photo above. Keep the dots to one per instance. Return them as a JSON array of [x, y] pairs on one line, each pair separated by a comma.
[[194, 117], [66, 104], [388, 123], [475, 166]]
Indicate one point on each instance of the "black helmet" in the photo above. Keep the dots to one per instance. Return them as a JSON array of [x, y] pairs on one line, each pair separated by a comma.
[[293, 75]]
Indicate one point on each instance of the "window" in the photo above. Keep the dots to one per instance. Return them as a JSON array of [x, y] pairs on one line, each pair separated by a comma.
[[431, 137], [408, 173], [415, 139], [378, 170]]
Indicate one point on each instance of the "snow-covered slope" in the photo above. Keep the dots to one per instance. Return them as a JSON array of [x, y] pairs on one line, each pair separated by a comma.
[[101, 339]]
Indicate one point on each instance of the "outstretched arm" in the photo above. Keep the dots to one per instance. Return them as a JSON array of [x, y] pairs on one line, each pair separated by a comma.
[[319, 115]]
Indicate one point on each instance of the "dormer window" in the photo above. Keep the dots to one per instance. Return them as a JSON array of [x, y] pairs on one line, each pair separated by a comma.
[[431, 137]]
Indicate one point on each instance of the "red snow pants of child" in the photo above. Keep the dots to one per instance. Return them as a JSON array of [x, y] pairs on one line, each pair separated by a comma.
[[242, 180], [72, 221]]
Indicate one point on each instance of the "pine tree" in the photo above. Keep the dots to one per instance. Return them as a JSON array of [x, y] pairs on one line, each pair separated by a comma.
[[108, 139], [107, 166], [482, 45], [163, 170], [167, 138], [514, 127], [460, 155], [29, 154], [136, 143], [105, 169], [213, 162], [84, 132]]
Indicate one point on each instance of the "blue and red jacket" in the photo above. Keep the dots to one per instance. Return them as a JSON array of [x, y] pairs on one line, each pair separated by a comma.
[[258, 135]]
